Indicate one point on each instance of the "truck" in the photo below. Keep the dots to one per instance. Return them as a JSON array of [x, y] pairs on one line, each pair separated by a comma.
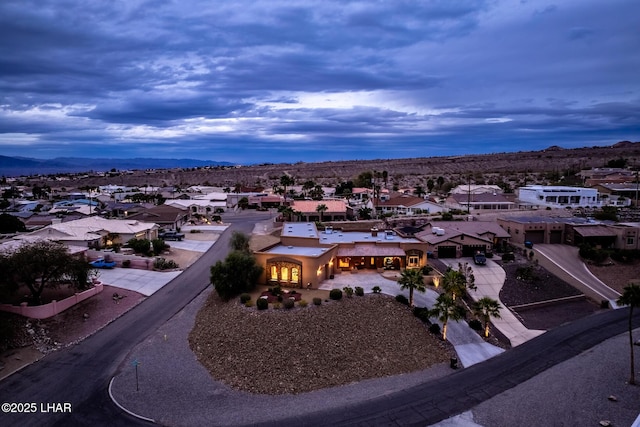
[[479, 258], [170, 235]]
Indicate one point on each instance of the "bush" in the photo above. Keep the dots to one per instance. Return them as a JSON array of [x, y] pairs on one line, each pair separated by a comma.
[[475, 324], [335, 294], [244, 298], [434, 329], [359, 291], [402, 299], [262, 303], [426, 270], [126, 263], [421, 313], [277, 305], [288, 303], [348, 290], [163, 264], [303, 303], [509, 256], [376, 289], [317, 301], [248, 303]]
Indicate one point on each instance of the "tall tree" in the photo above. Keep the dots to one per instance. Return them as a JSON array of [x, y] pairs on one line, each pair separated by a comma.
[[446, 309], [412, 279], [419, 191], [43, 264], [487, 308], [286, 181], [11, 224], [321, 208], [239, 242], [631, 297], [454, 283], [237, 274], [430, 185]]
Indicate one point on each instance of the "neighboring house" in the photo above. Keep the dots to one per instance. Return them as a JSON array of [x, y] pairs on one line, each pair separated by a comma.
[[266, 201], [454, 239], [337, 210], [619, 194], [559, 196], [167, 217], [593, 177], [480, 202], [200, 207], [306, 256], [402, 204], [91, 231], [476, 189]]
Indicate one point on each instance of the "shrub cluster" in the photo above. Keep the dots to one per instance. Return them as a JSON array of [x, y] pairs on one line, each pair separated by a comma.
[[262, 304], [317, 301], [244, 298], [348, 291], [335, 294], [288, 303], [475, 324], [376, 289], [434, 329], [163, 264], [303, 303], [359, 291], [421, 313], [402, 299]]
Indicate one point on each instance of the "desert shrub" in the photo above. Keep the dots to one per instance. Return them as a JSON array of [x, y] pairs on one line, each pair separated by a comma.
[[262, 304], [317, 301], [359, 291], [248, 303], [159, 246], [277, 305], [526, 274], [288, 303], [434, 329], [140, 246], [163, 264], [335, 294], [279, 298], [475, 324], [426, 270], [126, 263], [348, 290], [421, 313], [402, 299], [376, 289], [509, 256], [303, 303], [244, 298], [275, 291]]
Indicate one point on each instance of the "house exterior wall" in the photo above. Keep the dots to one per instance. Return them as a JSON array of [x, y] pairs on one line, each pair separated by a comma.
[[519, 230], [313, 270], [559, 197]]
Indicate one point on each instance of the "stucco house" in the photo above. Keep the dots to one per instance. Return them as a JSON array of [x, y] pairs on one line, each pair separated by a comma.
[[454, 239]]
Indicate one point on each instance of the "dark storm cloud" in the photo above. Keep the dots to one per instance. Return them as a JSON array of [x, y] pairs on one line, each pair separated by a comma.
[[281, 78]]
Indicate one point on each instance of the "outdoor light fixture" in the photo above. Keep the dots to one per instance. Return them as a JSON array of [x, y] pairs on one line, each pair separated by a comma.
[[436, 282]]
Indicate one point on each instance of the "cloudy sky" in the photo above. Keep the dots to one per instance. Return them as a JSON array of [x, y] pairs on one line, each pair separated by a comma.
[[283, 80]]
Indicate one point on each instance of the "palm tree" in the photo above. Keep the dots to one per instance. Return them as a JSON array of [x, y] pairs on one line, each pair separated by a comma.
[[446, 309], [487, 308], [631, 297], [285, 181], [412, 279], [286, 211], [321, 208], [454, 283]]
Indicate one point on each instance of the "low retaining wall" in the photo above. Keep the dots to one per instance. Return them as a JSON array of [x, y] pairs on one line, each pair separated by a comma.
[[141, 263], [54, 307]]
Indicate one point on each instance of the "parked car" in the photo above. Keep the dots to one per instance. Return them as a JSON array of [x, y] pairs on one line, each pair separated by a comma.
[[479, 258], [528, 244], [170, 235], [102, 263]]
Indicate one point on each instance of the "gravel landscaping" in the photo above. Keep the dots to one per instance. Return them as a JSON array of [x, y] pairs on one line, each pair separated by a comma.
[[303, 349]]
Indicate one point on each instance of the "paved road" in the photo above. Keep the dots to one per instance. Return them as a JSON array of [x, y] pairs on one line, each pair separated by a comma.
[[80, 374], [564, 261]]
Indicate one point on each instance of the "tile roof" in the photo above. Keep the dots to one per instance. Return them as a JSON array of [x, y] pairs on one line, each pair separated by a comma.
[[311, 205]]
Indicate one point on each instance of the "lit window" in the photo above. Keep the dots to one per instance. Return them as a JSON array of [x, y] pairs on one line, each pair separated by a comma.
[[274, 272], [295, 275], [284, 274]]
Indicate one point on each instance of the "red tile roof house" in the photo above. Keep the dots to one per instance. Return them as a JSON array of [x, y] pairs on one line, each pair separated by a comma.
[[337, 210], [402, 204], [477, 202]]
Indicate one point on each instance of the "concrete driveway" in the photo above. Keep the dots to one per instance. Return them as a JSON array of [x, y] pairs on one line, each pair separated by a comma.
[[564, 262], [489, 280], [146, 282]]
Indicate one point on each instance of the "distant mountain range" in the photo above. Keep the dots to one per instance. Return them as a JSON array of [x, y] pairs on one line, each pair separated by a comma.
[[17, 166]]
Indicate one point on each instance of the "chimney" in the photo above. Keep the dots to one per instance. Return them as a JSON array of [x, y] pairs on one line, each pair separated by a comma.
[[374, 232]]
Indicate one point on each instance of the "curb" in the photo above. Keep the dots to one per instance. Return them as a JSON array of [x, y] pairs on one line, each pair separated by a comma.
[[133, 414]]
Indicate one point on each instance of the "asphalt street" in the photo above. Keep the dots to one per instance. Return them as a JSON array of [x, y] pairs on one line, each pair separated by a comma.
[[79, 375]]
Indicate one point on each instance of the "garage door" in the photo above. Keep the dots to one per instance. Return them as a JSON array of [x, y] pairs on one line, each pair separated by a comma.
[[556, 236], [470, 250], [446, 251], [534, 236]]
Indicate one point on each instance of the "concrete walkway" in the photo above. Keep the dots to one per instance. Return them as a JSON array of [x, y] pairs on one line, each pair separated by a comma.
[[489, 280], [469, 346]]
